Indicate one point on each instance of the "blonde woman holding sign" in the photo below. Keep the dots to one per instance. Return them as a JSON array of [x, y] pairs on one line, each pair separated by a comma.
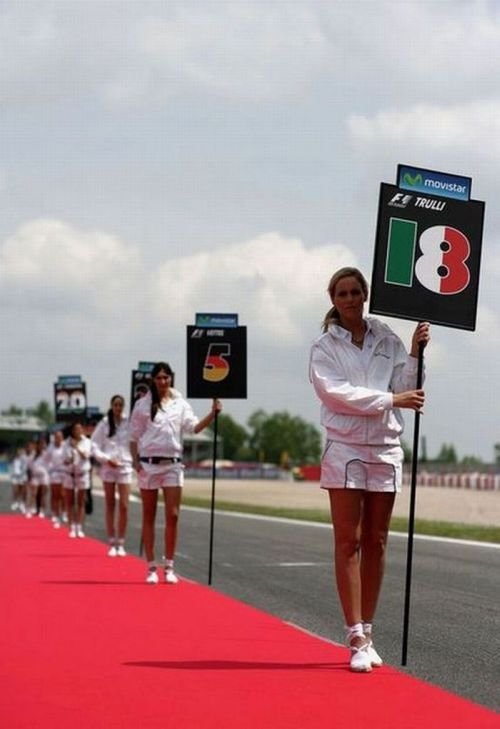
[[362, 375]]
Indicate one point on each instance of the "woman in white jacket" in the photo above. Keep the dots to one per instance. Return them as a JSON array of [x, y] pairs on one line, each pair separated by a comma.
[[56, 454], [110, 447], [77, 468], [157, 424], [362, 375]]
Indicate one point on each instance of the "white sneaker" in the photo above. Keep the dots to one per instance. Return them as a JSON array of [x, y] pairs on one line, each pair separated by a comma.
[[79, 532], [41, 515], [152, 577], [360, 660], [112, 551], [374, 657], [64, 518], [56, 523], [170, 576], [72, 531], [120, 551]]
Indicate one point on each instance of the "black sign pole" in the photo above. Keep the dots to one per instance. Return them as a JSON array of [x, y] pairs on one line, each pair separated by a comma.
[[411, 519], [216, 368], [212, 505]]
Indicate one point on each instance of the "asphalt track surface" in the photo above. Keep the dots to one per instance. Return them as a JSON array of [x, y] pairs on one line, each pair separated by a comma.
[[285, 568]]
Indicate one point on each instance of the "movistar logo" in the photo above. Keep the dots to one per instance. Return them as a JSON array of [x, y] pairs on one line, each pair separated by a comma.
[[416, 180]]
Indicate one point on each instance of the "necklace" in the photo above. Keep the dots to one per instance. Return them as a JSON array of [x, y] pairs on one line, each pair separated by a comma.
[[358, 341]]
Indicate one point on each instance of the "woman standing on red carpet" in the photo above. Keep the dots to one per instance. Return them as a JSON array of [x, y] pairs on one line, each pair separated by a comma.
[[110, 447], [55, 461], [362, 375], [38, 480], [77, 451], [157, 424]]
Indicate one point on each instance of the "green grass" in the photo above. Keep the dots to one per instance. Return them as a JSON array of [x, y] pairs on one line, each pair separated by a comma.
[[398, 524]]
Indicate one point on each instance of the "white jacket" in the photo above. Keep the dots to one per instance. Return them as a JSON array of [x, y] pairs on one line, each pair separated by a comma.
[[356, 392], [77, 458], [114, 448], [55, 461], [163, 435]]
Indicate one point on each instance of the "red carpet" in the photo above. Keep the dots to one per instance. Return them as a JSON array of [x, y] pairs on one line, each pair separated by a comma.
[[85, 643]]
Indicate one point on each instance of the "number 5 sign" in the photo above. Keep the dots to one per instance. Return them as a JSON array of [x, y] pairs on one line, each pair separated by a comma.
[[216, 362], [427, 258]]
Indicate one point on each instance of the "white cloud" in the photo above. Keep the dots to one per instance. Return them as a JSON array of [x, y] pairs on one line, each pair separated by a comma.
[[461, 126], [136, 52], [235, 49], [52, 256], [147, 52], [276, 284]]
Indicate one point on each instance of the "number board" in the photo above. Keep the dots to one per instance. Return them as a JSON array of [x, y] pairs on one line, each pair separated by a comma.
[[139, 387], [217, 362], [427, 258], [70, 401]]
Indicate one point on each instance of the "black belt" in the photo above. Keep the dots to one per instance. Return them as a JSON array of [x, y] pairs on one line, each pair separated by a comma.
[[160, 459]]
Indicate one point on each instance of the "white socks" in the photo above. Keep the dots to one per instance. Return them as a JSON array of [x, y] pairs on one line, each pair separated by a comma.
[[355, 631]]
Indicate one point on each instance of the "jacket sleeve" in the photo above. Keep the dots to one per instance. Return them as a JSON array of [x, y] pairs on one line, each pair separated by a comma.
[[98, 441], [338, 394], [138, 421], [189, 419], [404, 376]]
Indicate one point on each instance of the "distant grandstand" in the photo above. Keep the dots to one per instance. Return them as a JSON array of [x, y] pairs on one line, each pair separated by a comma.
[[15, 430]]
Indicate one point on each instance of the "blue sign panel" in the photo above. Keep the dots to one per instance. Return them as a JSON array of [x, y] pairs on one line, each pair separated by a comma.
[[431, 182], [69, 380], [217, 320]]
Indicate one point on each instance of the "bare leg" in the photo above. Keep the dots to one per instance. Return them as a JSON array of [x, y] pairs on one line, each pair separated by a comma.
[[109, 494], [55, 499], [149, 504], [80, 506], [43, 499], [377, 512], [346, 507], [172, 497], [31, 506], [124, 491], [70, 504]]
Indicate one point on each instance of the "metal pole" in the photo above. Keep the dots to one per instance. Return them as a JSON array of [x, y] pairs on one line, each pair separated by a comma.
[[212, 506], [411, 520]]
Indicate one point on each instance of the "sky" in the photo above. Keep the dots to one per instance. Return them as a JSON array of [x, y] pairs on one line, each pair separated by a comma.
[[160, 159]]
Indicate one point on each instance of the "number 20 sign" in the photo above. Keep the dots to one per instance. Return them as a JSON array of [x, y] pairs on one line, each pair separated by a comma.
[[427, 258], [216, 362]]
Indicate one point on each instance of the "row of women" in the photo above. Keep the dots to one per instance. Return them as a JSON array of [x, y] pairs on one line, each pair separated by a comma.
[[363, 377], [150, 442]]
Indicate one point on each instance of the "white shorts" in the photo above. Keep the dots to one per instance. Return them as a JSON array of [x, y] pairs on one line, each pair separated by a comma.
[[152, 476], [80, 482], [108, 474], [368, 468], [37, 481], [57, 477]]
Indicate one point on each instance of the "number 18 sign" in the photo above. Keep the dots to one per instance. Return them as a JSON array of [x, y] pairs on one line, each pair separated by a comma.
[[427, 258]]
